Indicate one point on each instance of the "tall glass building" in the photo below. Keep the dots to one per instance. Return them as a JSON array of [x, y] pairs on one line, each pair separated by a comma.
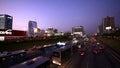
[[6, 21], [31, 26]]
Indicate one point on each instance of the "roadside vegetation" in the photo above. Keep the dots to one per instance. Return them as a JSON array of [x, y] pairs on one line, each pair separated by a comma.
[[112, 39], [114, 43], [11, 46]]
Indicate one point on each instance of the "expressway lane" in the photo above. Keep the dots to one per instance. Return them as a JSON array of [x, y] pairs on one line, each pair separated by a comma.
[[77, 61], [74, 61], [113, 53], [102, 60], [111, 58], [89, 61]]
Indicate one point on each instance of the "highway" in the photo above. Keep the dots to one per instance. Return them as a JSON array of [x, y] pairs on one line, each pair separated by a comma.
[[104, 59]]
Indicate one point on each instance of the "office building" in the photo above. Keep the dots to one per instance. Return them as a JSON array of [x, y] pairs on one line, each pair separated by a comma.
[[108, 24], [50, 31], [100, 29], [79, 30], [32, 25], [6, 21]]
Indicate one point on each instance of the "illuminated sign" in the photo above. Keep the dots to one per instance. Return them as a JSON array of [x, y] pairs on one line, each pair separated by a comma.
[[61, 43], [7, 32], [79, 33], [10, 17], [108, 28], [2, 38]]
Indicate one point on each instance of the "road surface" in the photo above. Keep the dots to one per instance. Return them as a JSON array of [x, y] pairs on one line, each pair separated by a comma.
[[104, 59]]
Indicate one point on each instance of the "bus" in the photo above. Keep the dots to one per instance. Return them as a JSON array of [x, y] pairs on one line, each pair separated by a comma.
[[61, 55], [12, 58], [38, 62]]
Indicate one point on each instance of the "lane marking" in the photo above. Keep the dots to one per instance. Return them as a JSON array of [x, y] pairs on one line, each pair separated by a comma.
[[87, 64], [114, 56]]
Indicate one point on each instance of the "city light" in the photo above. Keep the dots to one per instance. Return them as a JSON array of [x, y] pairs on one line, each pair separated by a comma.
[[61, 43], [9, 31], [35, 30], [59, 34], [108, 28], [2, 38]]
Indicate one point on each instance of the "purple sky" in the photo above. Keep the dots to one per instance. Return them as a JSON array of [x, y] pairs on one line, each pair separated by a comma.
[[61, 14]]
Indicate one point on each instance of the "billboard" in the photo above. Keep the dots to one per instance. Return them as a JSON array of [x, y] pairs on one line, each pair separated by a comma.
[[108, 28], [9, 32], [78, 33]]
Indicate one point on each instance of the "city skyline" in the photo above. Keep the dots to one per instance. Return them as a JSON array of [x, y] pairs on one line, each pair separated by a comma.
[[60, 14]]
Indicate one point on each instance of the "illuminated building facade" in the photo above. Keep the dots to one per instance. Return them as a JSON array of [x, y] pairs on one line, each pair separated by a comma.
[[6, 21], [79, 30], [108, 23], [32, 25], [6, 32], [50, 31]]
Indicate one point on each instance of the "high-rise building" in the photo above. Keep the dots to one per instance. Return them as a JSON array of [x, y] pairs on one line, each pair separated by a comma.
[[108, 23], [32, 25], [6, 21], [100, 29], [78, 30], [50, 31]]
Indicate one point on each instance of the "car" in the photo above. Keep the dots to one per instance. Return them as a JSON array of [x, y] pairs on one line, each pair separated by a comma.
[[101, 47], [96, 51], [82, 53]]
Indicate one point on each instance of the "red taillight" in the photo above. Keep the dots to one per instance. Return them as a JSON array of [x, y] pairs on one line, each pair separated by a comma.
[[82, 53]]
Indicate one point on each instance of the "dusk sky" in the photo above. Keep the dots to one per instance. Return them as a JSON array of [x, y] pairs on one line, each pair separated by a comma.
[[61, 14]]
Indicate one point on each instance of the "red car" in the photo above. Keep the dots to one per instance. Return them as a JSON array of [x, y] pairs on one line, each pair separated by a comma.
[[82, 52], [96, 51]]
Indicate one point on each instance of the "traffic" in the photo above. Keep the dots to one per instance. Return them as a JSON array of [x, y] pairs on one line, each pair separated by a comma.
[[52, 55], [57, 54]]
